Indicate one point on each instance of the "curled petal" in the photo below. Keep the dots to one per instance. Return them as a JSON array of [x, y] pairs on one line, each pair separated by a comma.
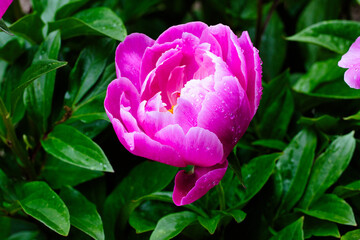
[[190, 187], [352, 57], [352, 77], [128, 57], [176, 32], [253, 71]]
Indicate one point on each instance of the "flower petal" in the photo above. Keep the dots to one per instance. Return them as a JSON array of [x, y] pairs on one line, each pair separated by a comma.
[[253, 71], [176, 32], [185, 114], [352, 57], [128, 57], [190, 187], [352, 77], [4, 5]]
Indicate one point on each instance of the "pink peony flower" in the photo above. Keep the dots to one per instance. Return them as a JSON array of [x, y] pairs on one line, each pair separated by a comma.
[[4, 5], [185, 99], [351, 60]]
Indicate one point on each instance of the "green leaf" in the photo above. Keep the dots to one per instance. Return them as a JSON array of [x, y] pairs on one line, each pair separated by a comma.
[[71, 146], [320, 228], [42, 203], [59, 173], [145, 217], [270, 143], [25, 235], [210, 224], [35, 71], [68, 7], [292, 231], [328, 167], [29, 27], [172, 225], [88, 68], [11, 47], [325, 122], [348, 190], [335, 35], [275, 112], [144, 179], [331, 208], [91, 110], [4, 27], [255, 175], [273, 49], [38, 95], [83, 213], [351, 235], [294, 167], [93, 21]]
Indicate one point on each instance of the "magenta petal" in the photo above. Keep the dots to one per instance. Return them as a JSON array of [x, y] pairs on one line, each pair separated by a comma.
[[176, 32], [190, 187], [352, 57], [352, 77], [253, 70], [185, 114], [140, 144], [4, 5], [128, 57]]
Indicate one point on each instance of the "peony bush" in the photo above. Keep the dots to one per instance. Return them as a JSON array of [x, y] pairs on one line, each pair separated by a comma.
[[179, 119]]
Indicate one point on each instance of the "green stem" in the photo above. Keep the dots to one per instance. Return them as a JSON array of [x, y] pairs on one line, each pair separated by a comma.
[[221, 194], [13, 142]]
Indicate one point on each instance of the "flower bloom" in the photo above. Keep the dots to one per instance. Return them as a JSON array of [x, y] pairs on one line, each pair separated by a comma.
[[351, 60], [4, 5], [185, 99]]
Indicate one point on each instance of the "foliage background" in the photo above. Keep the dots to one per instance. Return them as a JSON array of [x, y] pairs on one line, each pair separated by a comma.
[[64, 175]]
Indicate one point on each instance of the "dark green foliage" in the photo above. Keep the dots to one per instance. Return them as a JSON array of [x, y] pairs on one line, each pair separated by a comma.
[[64, 174]]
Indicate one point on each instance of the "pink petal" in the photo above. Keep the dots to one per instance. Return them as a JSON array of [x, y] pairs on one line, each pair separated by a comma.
[[352, 57], [202, 148], [176, 32], [153, 119], [4, 5], [140, 144], [190, 187], [185, 114], [128, 57], [231, 51], [253, 71], [226, 112], [121, 93], [352, 77]]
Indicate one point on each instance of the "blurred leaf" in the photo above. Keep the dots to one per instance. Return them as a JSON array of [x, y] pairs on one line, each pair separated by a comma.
[[351, 235], [25, 235], [328, 167], [255, 175], [275, 112], [270, 143], [145, 217], [348, 190], [134, 10], [42, 203], [325, 123], [292, 231], [91, 129], [331, 208], [11, 47], [172, 224], [59, 173], [4, 27], [335, 35], [210, 224], [145, 178], [71, 146], [90, 111], [83, 213], [88, 68], [29, 27], [68, 7], [294, 167], [38, 95], [320, 228], [237, 214], [93, 21], [273, 47], [35, 71]]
